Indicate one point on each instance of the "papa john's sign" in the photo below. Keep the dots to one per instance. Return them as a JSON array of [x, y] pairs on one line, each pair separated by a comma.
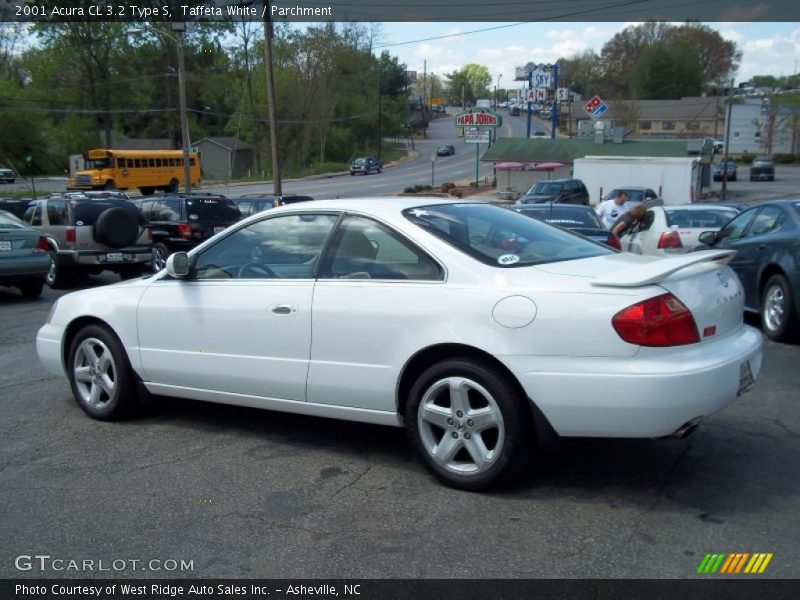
[[478, 118]]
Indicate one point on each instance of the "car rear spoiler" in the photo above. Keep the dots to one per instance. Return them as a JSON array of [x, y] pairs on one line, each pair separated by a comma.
[[654, 272]]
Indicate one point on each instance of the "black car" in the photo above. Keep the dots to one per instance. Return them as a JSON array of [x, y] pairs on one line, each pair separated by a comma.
[[560, 191], [719, 171], [767, 243], [580, 219], [182, 221], [250, 204], [762, 169], [16, 206], [446, 150], [365, 165]]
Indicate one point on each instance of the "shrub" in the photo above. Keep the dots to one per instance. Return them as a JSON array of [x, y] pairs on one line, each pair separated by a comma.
[[746, 158], [446, 187], [418, 188], [427, 188], [456, 193], [784, 158], [409, 190]]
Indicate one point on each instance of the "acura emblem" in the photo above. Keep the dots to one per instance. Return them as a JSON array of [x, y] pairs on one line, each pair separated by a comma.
[[722, 279]]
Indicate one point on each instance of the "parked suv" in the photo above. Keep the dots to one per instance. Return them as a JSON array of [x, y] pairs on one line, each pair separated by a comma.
[[91, 235], [181, 221], [762, 168], [719, 171], [560, 191]]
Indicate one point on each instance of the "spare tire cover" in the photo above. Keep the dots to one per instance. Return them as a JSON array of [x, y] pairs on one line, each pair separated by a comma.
[[116, 227]]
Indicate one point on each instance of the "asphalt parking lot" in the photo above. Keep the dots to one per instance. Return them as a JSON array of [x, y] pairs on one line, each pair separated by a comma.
[[244, 493]]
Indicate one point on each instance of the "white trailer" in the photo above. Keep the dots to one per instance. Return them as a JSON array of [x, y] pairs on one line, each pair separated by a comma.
[[676, 180]]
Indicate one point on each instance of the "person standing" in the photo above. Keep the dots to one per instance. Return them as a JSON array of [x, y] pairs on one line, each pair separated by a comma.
[[610, 211]]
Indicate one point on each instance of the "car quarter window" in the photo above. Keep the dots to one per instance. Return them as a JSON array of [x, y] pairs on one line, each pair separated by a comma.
[[366, 249], [283, 247], [768, 219], [57, 212], [33, 214], [735, 228]]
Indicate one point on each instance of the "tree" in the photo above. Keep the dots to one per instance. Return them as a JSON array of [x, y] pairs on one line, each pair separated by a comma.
[[666, 72], [469, 83], [719, 58], [583, 73]]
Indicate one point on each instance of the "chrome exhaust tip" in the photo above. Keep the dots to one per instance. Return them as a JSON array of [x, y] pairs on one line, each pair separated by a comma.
[[687, 429]]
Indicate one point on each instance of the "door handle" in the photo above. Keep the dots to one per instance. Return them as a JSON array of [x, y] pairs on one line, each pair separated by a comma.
[[761, 247], [283, 309]]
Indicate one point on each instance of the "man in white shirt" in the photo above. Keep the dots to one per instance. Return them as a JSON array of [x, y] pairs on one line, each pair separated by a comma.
[[611, 210]]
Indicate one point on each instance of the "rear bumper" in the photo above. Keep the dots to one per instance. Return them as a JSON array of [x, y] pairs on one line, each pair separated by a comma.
[[24, 267], [649, 395], [130, 256]]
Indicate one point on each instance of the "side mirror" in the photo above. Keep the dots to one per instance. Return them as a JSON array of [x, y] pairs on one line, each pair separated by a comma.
[[708, 238], [178, 265]]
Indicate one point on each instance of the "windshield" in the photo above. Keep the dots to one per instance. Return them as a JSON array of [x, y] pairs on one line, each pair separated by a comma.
[[565, 216], [98, 164], [545, 188], [361, 161], [499, 237]]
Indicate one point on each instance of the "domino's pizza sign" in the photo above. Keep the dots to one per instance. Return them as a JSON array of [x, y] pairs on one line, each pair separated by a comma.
[[595, 107]]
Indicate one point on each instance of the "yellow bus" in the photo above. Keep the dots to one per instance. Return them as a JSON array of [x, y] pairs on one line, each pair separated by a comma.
[[147, 170]]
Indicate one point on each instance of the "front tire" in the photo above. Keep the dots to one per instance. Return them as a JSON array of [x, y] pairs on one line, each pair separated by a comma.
[[100, 374], [469, 424], [32, 288], [778, 318]]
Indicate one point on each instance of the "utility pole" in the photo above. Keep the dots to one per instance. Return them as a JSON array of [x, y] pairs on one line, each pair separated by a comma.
[[187, 177], [273, 121], [380, 141], [724, 191], [424, 105]]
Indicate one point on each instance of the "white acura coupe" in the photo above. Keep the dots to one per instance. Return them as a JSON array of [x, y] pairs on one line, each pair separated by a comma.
[[475, 327]]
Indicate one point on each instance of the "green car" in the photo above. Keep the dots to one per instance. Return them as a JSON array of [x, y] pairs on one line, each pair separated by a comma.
[[24, 259]]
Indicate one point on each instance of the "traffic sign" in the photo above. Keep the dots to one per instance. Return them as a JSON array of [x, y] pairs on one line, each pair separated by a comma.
[[595, 107], [477, 137]]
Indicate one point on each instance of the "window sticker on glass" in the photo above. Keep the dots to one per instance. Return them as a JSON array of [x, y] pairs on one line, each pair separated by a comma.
[[507, 259], [193, 217]]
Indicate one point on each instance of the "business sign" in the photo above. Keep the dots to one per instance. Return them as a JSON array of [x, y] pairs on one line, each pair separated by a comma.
[[541, 94], [477, 137], [562, 95], [595, 107], [479, 117]]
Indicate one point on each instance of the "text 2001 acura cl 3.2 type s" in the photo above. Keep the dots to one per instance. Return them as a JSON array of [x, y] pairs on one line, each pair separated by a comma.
[[472, 325]]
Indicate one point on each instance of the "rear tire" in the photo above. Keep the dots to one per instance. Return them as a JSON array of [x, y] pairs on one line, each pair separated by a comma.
[[110, 185], [147, 191], [778, 317], [100, 374], [469, 424], [173, 187], [57, 276]]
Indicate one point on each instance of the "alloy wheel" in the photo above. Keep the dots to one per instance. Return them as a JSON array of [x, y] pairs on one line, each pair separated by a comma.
[[95, 373]]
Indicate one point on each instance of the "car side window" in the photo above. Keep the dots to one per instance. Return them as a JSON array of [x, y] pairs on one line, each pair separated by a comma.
[[166, 210], [284, 247], [768, 219], [646, 221], [366, 249], [57, 212], [246, 207], [33, 214], [146, 208], [735, 228]]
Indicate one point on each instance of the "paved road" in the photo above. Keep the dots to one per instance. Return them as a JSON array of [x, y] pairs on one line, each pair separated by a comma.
[[247, 493]]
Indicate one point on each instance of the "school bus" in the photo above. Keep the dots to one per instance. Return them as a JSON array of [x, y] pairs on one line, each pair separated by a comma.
[[147, 170]]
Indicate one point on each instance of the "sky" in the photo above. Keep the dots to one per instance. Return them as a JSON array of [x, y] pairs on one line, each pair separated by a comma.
[[768, 48]]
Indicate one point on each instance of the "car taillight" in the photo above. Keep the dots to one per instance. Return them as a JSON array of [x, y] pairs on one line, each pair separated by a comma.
[[41, 245], [613, 241], [185, 231], [69, 235], [660, 321], [669, 239]]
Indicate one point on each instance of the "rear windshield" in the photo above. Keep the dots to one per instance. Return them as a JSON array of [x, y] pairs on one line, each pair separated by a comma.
[[212, 209], [677, 217], [85, 212], [565, 216], [500, 237], [796, 207], [633, 195], [762, 163]]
